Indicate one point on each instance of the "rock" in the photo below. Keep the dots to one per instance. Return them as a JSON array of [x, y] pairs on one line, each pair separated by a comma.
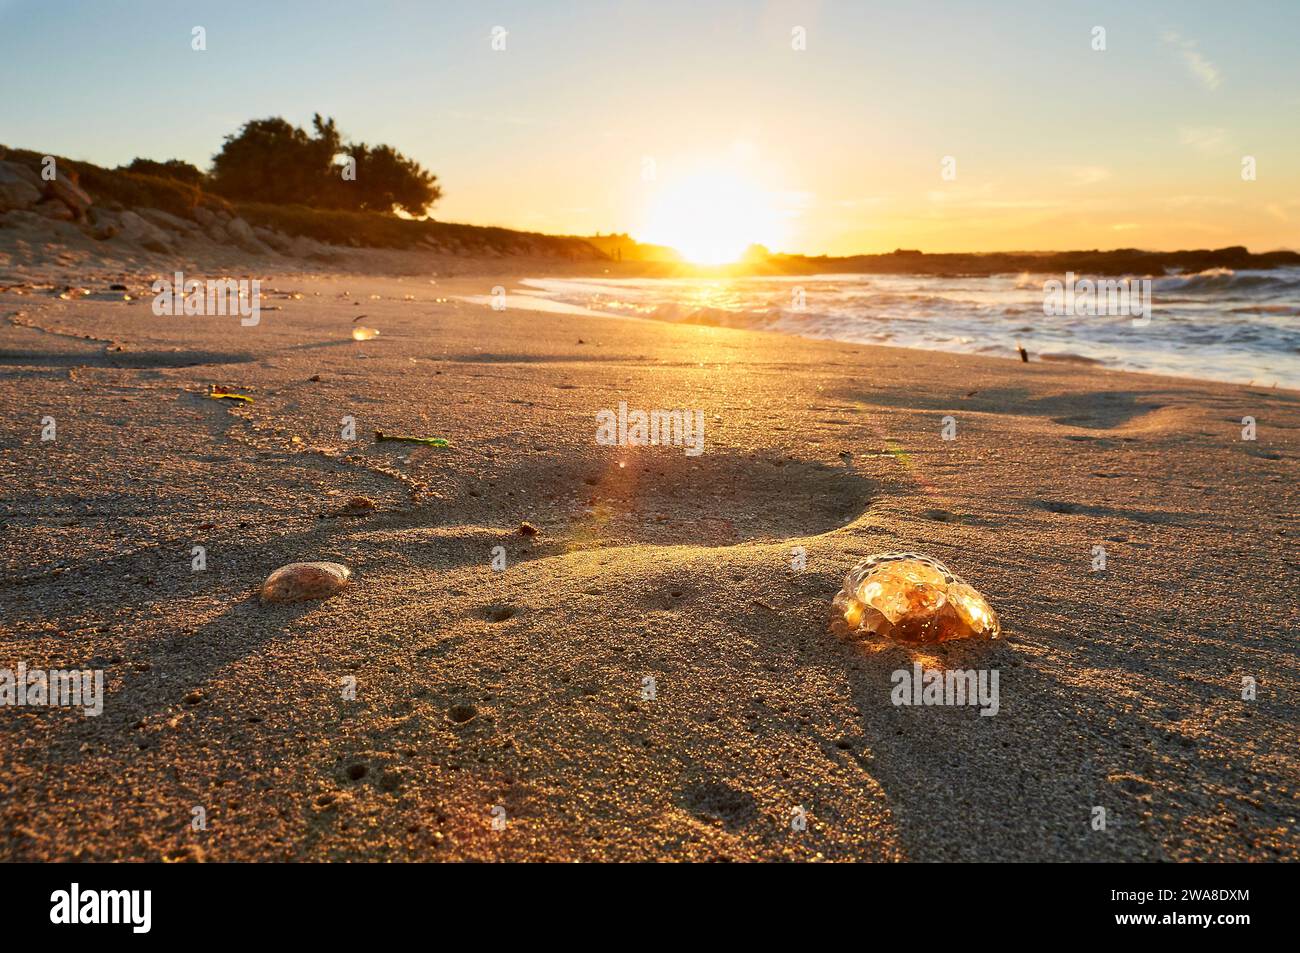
[[528, 529], [302, 247], [25, 173], [357, 506], [165, 220], [135, 229], [298, 581], [240, 230], [241, 233], [55, 210], [273, 239], [17, 188], [21, 219], [64, 188], [132, 226]]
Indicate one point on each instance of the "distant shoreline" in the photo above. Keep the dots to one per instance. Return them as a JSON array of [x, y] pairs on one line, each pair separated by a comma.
[[161, 215], [1121, 261]]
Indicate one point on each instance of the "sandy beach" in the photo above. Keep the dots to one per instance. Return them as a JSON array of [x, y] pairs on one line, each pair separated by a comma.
[[519, 695]]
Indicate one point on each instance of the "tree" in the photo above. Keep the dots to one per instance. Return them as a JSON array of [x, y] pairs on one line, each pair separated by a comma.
[[271, 160], [386, 180]]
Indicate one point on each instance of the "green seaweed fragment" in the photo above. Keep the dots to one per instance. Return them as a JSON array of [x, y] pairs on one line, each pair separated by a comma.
[[380, 436]]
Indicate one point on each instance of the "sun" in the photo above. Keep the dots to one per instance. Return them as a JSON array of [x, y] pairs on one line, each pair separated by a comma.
[[712, 216]]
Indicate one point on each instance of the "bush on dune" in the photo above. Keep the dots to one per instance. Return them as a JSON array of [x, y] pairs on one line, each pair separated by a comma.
[[273, 162], [171, 169]]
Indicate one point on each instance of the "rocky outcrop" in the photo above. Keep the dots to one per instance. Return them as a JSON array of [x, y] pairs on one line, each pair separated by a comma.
[[20, 187], [135, 228], [168, 221], [22, 190], [63, 188], [275, 240], [242, 234]]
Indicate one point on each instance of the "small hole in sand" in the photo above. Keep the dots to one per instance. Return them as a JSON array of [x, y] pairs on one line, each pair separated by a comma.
[[462, 713]]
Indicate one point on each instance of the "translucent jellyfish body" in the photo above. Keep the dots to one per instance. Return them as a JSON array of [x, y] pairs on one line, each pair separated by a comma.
[[910, 598]]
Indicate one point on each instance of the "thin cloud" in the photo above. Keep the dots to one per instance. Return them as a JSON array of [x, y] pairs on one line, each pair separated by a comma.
[[1205, 71], [1207, 139]]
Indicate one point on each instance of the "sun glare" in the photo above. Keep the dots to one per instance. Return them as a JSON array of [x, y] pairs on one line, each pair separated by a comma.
[[711, 217]]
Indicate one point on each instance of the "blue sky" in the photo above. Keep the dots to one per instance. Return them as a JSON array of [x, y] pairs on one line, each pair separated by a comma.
[[1056, 144]]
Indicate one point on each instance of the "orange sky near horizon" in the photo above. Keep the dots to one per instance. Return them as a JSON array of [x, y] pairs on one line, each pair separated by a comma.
[[808, 126]]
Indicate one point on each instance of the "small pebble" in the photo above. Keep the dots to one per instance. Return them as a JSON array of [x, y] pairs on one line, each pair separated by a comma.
[[356, 506]]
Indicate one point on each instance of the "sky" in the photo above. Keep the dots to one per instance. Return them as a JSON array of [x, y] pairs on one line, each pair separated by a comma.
[[943, 126]]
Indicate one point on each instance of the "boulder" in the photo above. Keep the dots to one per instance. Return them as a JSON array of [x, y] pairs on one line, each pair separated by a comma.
[[19, 171], [168, 221], [241, 233], [102, 224], [273, 239], [136, 229], [19, 186], [64, 189], [303, 247], [55, 210]]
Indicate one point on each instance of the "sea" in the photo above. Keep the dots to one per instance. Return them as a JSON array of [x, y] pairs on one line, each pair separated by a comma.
[[1224, 325]]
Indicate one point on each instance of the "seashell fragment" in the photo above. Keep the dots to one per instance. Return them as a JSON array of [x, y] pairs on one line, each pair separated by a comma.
[[298, 581]]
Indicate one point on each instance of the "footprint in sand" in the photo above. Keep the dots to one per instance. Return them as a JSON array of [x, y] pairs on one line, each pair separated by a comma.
[[720, 802]]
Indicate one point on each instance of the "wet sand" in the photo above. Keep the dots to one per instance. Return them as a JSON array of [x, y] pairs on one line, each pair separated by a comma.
[[519, 694]]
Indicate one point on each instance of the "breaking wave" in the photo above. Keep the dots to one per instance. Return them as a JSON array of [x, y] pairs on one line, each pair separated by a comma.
[[1217, 324]]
